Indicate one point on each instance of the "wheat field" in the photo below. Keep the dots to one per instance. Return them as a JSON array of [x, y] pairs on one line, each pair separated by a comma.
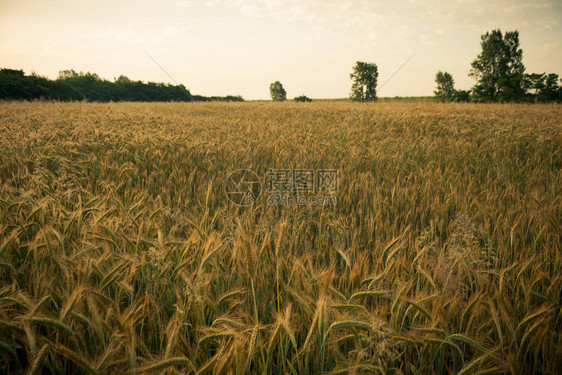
[[120, 251]]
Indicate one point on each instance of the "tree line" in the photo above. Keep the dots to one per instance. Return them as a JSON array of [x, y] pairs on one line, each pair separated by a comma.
[[500, 75], [72, 85], [498, 70]]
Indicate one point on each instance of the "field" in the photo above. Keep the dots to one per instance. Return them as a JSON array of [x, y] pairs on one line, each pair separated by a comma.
[[120, 250]]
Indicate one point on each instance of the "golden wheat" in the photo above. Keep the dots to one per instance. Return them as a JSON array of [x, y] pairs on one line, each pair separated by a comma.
[[120, 251]]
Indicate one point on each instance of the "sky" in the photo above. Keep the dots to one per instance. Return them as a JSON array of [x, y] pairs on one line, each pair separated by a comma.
[[238, 47]]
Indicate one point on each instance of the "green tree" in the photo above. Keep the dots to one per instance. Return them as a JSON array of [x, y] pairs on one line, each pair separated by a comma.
[[534, 81], [461, 96], [445, 86], [499, 69], [364, 77], [542, 87], [302, 98], [551, 90], [66, 74], [277, 91], [122, 79]]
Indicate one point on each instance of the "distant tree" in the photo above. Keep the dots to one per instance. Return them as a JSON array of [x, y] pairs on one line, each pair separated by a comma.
[[233, 98], [65, 74], [534, 81], [122, 79], [302, 98], [499, 69], [364, 77], [461, 96], [551, 90], [12, 73], [14, 85], [542, 87], [70, 85], [277, 92], [445, 86]]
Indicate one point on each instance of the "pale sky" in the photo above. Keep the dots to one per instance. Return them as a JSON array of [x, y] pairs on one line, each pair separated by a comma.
[[220, 47]]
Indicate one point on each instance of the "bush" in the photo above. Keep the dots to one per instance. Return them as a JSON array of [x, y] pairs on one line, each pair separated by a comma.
[[461, 96], [302, 98]]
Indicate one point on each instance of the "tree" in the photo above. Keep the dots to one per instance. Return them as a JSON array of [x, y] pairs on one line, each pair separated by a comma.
[[277, 91], [122, 79], [302, 98], [542, 87], [534, 81], [364, 86], [445, 86], [462, 96], [499, 69], [66, 74], [551, 90]]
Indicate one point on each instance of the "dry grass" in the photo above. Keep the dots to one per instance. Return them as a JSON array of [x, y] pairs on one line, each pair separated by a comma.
[[120, 252]]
